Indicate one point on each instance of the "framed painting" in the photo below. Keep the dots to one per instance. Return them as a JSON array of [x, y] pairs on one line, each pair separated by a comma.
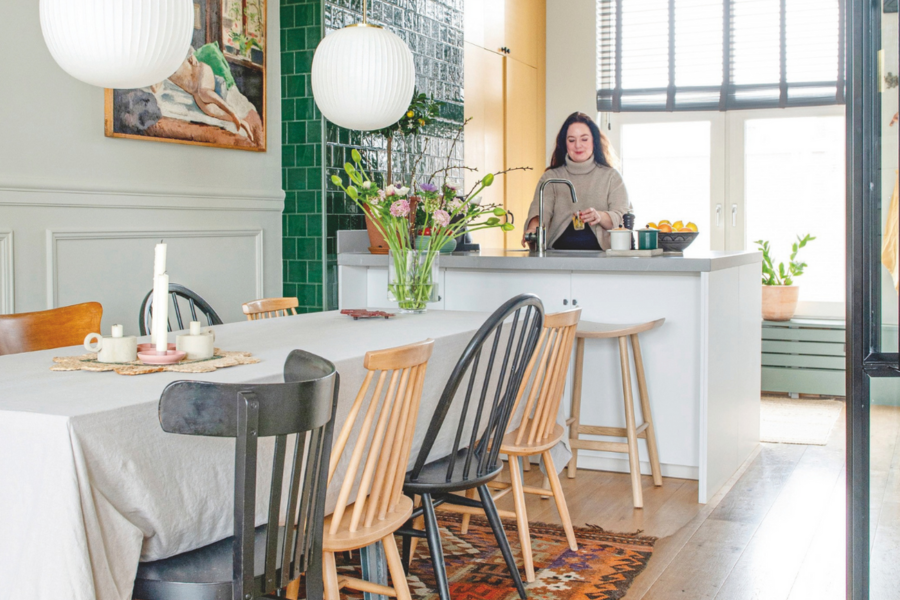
[[217, 97]]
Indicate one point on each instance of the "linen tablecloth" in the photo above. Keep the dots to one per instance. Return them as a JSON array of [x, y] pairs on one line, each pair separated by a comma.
[[90, 484]]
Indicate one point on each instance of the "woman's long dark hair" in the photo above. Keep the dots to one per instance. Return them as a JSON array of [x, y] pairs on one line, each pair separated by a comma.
[[603, 152]]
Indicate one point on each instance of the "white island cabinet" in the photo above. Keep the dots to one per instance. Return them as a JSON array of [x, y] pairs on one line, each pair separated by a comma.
[[703, 364]]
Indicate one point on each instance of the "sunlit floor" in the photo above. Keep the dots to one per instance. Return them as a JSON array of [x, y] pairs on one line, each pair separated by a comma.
[[776, 533]]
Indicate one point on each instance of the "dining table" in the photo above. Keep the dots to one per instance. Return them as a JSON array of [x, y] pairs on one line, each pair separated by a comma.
[[90, 485]]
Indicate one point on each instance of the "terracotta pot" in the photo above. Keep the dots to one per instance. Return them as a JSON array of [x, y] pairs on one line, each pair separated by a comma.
[[377, 243], [779, 302]]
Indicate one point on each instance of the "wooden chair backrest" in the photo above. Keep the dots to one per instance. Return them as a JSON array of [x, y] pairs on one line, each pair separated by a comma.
[[487, 376], [46, 329], [304, 405], [176, 291], [554, 351], [269, 308], [399, 374]]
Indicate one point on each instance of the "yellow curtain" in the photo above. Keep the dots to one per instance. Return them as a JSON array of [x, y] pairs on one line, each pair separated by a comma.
[[889, 246]]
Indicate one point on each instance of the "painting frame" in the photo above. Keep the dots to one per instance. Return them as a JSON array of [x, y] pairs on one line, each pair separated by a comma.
[[247, 127]]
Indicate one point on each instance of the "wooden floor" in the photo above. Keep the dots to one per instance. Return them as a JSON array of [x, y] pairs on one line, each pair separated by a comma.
[[776, 532]]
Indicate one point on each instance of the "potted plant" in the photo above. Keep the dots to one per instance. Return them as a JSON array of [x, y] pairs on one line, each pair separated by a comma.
[[779, 294], [412, 272]]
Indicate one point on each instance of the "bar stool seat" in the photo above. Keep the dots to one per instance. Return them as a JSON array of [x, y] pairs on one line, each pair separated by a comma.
[[632, 431]]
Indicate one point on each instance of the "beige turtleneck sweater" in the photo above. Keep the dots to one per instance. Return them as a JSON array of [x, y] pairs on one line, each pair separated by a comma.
[[596, 186]]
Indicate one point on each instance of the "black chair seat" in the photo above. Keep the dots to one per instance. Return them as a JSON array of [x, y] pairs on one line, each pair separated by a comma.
[[206, 571], [434, 474]]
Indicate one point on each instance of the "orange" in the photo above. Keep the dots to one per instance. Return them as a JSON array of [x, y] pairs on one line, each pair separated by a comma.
[[685, 230], [665, 228]]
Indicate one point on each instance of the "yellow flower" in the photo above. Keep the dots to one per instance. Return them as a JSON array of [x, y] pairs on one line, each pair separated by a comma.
[[409, 114]]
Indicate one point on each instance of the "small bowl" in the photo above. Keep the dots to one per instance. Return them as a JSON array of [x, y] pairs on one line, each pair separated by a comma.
[[169, 358], [149, 347], [677, 240]]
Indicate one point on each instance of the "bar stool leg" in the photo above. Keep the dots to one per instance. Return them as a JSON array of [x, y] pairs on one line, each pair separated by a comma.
[[575, 419], [650, 432], [633, 457]]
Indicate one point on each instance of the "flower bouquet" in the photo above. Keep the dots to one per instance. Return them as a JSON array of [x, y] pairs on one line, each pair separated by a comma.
[[412, 272]]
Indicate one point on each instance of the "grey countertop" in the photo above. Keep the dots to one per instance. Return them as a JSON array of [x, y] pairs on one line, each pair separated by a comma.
[[352, 252]]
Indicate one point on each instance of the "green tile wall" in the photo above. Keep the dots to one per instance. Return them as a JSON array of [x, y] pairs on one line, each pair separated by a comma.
[[313, 149], [302, 155]]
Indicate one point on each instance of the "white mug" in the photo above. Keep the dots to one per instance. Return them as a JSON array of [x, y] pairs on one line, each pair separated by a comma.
[[112, 349], [197, 347], [620, 239]]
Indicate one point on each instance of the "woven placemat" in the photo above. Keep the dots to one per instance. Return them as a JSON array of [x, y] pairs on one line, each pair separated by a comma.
[[88, 362]]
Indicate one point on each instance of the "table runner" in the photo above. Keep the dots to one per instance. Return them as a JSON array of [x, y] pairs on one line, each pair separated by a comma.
[[91, 484]]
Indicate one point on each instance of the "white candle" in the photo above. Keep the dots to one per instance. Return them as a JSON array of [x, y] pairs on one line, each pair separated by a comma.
[[159, 261], [118, 331], [161, 312], [195, 327]]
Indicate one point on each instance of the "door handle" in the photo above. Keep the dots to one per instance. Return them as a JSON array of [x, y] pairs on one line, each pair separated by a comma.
[[565, 301], [734, 215], [718, 215]]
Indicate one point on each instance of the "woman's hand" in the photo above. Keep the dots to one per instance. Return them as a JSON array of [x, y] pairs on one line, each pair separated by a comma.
[[592, 216], [532, 227]]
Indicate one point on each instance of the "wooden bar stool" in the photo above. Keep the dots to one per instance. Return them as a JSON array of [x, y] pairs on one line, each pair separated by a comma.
[[631, 431]]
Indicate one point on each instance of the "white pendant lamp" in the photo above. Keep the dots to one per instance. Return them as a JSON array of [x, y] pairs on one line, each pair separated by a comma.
[[120, 44], [363, 77]]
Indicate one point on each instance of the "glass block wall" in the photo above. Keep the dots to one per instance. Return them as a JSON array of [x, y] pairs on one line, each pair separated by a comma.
[[317, 149]]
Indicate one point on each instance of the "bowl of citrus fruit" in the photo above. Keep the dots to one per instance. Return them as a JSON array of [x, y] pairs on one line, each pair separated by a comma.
[[674, 237]]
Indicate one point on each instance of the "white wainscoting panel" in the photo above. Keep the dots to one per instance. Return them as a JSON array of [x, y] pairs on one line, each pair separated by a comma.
[[7, 274], [224, 266]]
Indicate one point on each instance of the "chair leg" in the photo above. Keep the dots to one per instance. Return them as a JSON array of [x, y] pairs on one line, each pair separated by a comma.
[[521, 518], [464, 525], [645, 409], [433, 535], [418, 523], [332, 588], [526, 464], [633, 457], [560, 501], [490, 511], [292, 591], [407, 552], [576, 405], [395, 567]]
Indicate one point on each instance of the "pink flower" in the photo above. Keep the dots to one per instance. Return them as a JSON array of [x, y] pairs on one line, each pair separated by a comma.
[[441, 217], [400, 208]]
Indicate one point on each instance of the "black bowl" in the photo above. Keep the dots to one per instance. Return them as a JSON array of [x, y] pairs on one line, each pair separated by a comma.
[[676, 241]]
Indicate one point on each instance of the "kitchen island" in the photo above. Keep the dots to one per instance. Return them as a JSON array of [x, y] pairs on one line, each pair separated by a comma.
[[703, 364]]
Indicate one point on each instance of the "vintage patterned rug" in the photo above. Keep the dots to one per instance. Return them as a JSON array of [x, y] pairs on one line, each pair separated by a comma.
[[603, 568]]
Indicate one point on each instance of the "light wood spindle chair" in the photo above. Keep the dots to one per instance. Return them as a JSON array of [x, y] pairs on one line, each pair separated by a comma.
[[379, 507], [46, 329], [538, 431], [269, 308]]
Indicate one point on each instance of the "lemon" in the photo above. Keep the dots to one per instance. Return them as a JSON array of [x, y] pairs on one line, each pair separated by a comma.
[[677, 225], [665, 222], [651, 225], [692, 226]]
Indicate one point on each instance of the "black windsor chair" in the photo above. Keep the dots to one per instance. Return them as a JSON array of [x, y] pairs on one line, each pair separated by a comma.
[[257, 562], [475, 457], [176, 291]]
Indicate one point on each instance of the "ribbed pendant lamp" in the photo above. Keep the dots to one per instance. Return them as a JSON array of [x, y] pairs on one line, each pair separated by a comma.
[[363, 76], [118, 43]]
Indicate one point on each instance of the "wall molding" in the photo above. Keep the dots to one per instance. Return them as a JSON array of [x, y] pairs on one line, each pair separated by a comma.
[[55, 236], [24, 194], [7, 274]]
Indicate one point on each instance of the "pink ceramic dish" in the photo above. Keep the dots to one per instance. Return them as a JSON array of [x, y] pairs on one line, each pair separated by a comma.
[[169, 358], [148, 347]]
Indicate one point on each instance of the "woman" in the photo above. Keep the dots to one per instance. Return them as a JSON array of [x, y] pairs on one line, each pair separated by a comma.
[[582, 156]]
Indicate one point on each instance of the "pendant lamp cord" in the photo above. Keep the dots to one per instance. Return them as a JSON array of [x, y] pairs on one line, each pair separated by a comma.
[[365, 19]]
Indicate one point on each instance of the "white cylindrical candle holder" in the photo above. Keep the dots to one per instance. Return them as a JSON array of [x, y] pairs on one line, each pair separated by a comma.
[[161, 313], [195, 327], [118, 331]]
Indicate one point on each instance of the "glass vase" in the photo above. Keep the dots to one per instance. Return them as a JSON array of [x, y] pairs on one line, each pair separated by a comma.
[[413, 279]]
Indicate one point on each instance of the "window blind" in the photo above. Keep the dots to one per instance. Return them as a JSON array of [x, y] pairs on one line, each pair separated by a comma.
[[668, 55]]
